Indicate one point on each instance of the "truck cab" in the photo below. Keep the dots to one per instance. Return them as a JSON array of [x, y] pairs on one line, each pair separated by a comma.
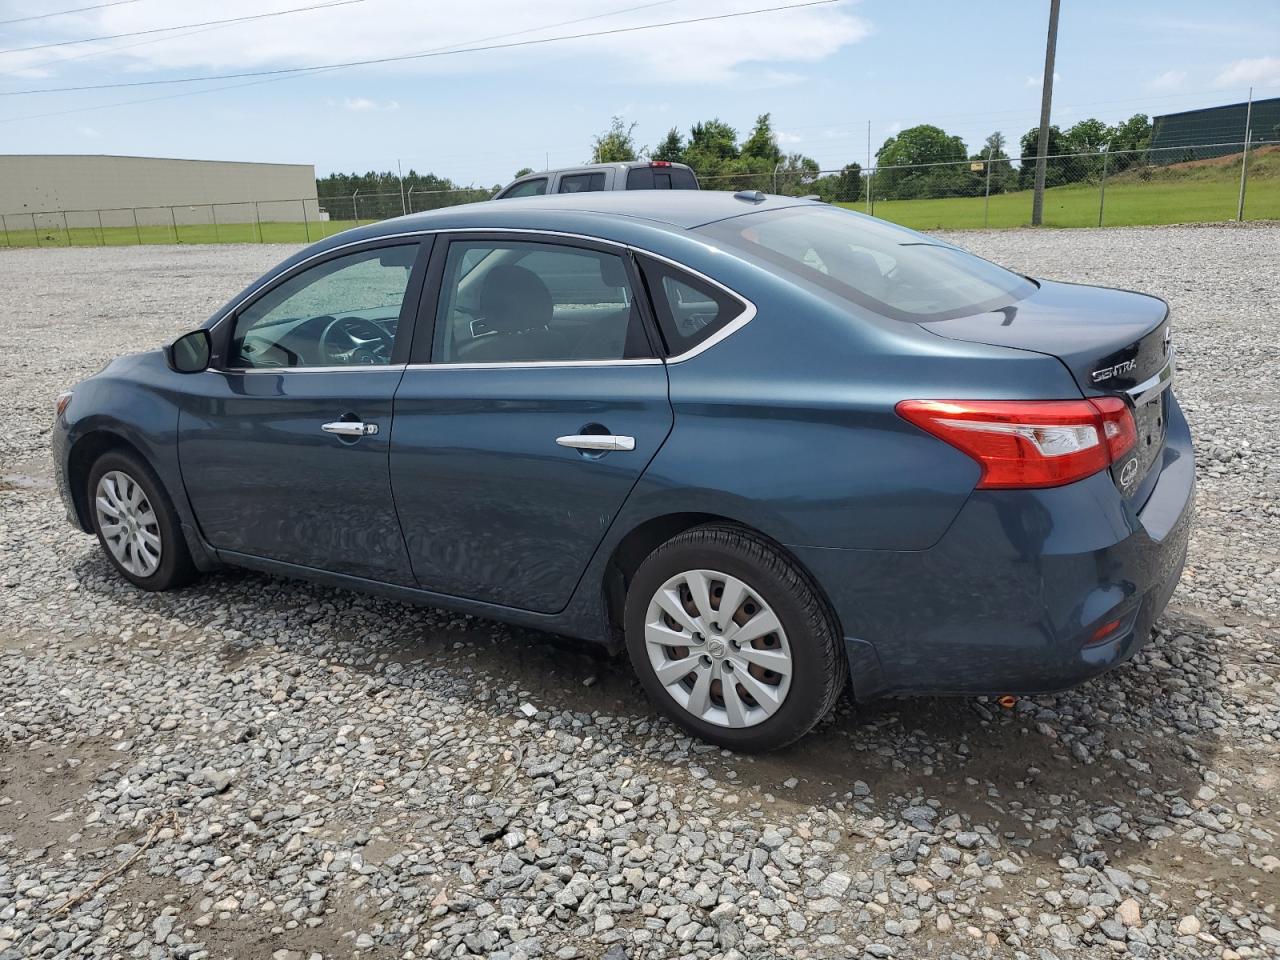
[[632, 175]]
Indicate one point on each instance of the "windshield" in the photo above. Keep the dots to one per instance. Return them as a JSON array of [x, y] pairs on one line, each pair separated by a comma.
[[888, 269]]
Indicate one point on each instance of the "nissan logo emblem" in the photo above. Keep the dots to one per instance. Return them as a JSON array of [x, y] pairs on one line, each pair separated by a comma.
[[1129, 473]]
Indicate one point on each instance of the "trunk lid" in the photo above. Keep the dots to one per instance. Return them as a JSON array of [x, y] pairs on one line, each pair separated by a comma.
[[1114, 342]]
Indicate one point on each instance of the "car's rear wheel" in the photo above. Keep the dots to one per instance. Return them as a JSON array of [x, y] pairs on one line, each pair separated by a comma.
[[731, 639], [136, 523]]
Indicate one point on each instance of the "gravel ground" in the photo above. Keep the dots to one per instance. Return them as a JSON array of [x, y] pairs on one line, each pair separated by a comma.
[[259, 768]]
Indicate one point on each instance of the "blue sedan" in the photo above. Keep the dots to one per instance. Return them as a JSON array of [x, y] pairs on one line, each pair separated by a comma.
[[770, 448]]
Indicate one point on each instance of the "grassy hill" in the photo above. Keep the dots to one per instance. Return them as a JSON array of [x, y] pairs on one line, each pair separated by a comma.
[[1192, 192]]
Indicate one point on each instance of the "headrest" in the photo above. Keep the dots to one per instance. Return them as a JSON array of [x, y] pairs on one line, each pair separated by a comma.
[[514, 299], [612, 272]]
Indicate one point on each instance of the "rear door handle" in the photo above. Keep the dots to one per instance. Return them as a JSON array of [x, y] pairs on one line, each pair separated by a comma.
[[597, 441], [350, 428]]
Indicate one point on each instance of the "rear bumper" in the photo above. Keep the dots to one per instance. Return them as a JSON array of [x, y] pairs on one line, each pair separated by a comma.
[[1011, 597]]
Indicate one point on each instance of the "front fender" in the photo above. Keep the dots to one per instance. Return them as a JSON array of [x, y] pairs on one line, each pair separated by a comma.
[[131, 403]]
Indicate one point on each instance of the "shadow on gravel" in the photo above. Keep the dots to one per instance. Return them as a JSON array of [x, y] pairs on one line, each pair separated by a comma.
[[1108, 745]]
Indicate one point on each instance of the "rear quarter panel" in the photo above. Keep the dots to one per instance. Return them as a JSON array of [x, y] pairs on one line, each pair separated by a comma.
[[789, 426]]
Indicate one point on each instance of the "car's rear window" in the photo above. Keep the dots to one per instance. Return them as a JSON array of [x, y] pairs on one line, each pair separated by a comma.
[[888, 269]]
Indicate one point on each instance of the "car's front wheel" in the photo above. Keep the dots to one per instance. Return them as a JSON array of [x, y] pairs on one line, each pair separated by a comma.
[[136, 524], [731, 639]]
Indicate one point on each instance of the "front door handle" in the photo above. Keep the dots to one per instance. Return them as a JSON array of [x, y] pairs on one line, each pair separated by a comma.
[[597, 441], [350, 428]]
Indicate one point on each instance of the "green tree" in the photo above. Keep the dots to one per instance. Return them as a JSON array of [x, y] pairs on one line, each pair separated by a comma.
[[1090, 138], [1003, 177], [904, 156], [1129, 142], [671, 147], [713, 144], [521, 172], [763, 142], [847, 186], [379, 194], [793, 176], [617, 144], [1057, 168]]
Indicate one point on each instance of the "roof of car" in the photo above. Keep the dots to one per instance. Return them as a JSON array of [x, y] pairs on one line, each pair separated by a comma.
[[679, 209], [616, 165]]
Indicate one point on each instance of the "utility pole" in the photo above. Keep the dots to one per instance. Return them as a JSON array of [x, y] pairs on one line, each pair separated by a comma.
[[1244, 157], [1046, 102], [868, 170], [404, 208]]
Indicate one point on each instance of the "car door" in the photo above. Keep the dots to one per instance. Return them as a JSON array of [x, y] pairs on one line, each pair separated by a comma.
[[283, 443], [534, 402]]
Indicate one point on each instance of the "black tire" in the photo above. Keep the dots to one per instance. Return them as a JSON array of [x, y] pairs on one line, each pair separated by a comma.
[[175, 568], [819, 666]]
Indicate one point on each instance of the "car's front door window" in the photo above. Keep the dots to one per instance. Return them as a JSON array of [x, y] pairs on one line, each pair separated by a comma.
[[341, 312]]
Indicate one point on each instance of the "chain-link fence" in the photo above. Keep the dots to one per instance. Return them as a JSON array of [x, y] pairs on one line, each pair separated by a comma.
[[254, 221], [1183, 184]]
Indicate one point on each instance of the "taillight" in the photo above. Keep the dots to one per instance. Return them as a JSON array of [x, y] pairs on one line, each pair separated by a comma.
[[659, 163], [1117, 425], [60, 405], [1029, 443]]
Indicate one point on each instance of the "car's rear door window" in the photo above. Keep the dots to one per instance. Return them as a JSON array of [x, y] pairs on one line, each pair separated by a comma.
[[581, 182], [526, 188], [507, 301], [689, 309]]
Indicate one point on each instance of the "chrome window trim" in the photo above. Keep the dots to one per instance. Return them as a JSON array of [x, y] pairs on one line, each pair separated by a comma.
[[539, 364], [732, 327], [1153, 386], [345, 368], [265, 288]]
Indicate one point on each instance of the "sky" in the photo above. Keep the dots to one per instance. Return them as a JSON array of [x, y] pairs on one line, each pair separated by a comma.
[[824, 72]]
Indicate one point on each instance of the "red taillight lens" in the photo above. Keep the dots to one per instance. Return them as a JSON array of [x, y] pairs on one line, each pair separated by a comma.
[[659, 163], [1117, 425], [1029, 443]]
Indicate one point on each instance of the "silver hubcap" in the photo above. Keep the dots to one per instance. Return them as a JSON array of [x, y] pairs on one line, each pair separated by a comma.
[[128, 523], [718, 649]]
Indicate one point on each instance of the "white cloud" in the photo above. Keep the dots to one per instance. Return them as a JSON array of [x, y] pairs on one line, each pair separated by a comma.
[[1169, 80], [1036, 81], [785, 139], [893, 129], [735, 50], [89, 133], [1256, 71], [365, 105]]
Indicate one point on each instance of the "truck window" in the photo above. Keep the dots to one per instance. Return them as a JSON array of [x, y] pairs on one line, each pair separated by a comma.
[[581, 182], [527, 188]]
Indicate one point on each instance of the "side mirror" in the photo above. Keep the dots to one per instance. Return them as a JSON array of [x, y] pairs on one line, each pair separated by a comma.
[[190, 352]]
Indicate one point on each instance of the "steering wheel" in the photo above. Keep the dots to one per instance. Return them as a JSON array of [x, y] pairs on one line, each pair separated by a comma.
[[354, 340]]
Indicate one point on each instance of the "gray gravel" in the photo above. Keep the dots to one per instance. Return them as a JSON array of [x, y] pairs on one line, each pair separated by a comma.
[[260, 768]]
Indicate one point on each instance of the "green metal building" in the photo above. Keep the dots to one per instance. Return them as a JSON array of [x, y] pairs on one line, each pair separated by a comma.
[[1212, 131]]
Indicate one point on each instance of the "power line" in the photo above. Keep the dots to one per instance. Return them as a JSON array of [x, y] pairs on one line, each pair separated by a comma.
[[120, 48], [63, 13], [251, 83], [417, 56], [182, 26]]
